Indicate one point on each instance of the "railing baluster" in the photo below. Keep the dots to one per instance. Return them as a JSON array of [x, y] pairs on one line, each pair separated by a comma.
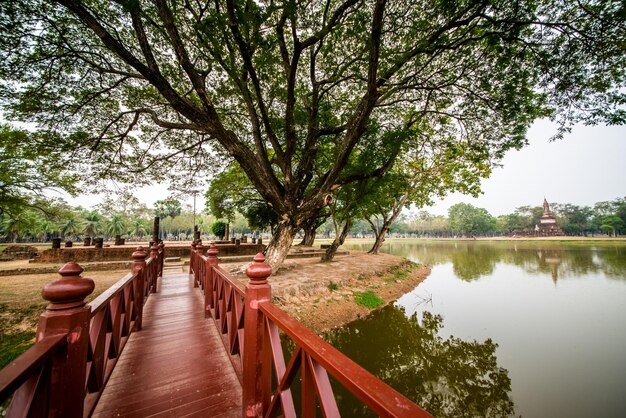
[[154, 255], [208, 286], [197, 264], [256, 365], [139, 271]]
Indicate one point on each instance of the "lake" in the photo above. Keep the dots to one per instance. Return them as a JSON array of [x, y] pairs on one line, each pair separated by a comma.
[[501, 329]]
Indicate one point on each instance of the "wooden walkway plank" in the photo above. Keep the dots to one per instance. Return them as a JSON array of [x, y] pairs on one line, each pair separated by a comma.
[[176, 366]]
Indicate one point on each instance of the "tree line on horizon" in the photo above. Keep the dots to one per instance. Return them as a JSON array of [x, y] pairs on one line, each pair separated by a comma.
[[603, 218], [127, 217]]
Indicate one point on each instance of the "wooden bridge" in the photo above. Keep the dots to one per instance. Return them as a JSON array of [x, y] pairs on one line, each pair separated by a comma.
[[170, 343]]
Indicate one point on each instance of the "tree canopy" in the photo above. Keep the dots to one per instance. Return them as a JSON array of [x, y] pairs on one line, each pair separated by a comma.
[[293, 90], [28, 168]]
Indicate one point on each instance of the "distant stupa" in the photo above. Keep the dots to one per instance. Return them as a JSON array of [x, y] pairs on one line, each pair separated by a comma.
[[547, 226]]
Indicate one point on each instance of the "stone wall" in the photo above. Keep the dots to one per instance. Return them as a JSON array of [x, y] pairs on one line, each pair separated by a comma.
[[122, 253], [19, 252]]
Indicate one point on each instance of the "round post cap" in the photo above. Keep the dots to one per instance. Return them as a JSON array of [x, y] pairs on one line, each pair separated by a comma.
[[70, 290], [259, 270], [139, 254]]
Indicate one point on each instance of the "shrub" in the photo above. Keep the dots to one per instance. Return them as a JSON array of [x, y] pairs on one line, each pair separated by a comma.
[[219, 229]]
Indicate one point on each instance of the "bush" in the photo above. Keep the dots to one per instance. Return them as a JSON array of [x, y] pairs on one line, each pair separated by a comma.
[[219, 229]]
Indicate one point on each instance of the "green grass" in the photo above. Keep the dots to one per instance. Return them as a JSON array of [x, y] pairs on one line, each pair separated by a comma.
[[332, 286], [14, 344], [368, 299], [17, 330]]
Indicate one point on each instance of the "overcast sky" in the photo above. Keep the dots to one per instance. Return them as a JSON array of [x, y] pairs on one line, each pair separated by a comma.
[[587, 166]]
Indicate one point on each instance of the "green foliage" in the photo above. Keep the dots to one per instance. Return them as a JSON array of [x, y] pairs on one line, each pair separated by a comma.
[[468, 220], [70, 226], [219, 229], [302, 94], [139, 227], [260, 216], [332, 286], [611, 224], [92, 223], [29, 168], [117, 225], [368, 299], [167, 208], [231, 192]]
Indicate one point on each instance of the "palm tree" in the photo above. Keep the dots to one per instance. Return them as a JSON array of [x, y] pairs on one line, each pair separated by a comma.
[[93, 221], [117, 225], [70, 226], [43, 227], [18, 225], [139, 227]]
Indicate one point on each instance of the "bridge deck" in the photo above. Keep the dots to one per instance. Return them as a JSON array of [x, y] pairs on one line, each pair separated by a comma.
[[176, 366]]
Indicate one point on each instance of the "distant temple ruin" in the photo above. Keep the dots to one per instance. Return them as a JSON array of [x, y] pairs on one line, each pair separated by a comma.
[[547, 226]]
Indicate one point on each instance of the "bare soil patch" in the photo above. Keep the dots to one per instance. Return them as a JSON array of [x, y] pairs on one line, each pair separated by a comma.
[[321, 295]]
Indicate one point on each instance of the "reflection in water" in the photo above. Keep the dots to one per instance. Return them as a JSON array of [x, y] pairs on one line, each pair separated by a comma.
[[447, 377], [562, 345], [473, 260]]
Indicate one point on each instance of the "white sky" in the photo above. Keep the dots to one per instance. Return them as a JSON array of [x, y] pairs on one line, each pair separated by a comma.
[[587, 166]]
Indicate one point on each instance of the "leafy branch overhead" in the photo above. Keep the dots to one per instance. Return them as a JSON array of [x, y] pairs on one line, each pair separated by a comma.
[[29, 168], [295, 91]]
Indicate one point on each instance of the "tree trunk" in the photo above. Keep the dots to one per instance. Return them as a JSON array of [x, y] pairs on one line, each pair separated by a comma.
[[309, 233], [337, 242], [309, 237], [387, 221], [226, 231], [380, 237], [279, 245]]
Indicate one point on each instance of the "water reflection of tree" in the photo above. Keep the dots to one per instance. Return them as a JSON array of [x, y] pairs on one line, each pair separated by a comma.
[[448, 377], [472, 260]]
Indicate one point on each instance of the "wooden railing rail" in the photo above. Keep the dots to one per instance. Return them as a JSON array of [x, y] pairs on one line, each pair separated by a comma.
[[34, 363], [316, 359], [77, 345], [250, 326]]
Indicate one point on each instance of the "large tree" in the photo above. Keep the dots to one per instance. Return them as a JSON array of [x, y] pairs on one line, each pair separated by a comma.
[[468, 220], [289, 89]]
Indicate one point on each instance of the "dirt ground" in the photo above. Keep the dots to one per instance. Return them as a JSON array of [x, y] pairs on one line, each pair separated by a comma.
[[321, 295]]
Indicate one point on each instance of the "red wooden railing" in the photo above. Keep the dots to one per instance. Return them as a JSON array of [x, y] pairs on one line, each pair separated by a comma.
[[244, 313], [77, 345]]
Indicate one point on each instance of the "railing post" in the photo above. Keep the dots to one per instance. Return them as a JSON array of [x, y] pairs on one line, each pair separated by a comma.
[[66, 314], [192, 257], [154, 255], [211, 262], [196, 267], [139, 270], [161, 257], [256, 377]]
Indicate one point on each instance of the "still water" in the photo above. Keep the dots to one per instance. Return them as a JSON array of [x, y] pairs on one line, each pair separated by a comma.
[[501, 329]]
